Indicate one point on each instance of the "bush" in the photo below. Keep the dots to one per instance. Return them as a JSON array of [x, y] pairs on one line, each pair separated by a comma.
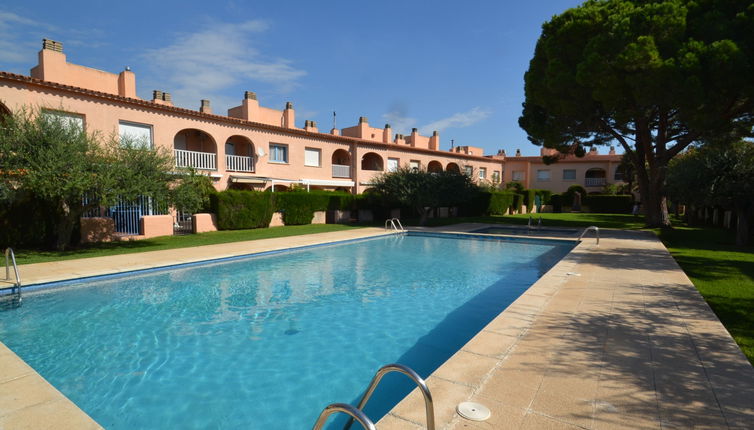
[[569, 194], [529, 199], [609, 204], [518, 203], [236, 209], [556, 200]]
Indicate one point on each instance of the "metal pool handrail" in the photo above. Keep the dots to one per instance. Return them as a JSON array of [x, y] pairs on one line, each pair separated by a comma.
[[9, 254], [355, 413], [392, 222], [395, 367], [596, 232]]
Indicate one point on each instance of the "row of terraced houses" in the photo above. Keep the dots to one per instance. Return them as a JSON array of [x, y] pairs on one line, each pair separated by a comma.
[[256, 147]]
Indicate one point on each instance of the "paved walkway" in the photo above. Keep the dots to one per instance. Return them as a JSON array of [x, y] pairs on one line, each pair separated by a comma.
[[614, 336]]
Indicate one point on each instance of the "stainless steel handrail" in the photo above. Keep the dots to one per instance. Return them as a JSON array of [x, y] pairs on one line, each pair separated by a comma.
[[355, 413], [395, 367], [596, 232], [395, 227], [9, 254]]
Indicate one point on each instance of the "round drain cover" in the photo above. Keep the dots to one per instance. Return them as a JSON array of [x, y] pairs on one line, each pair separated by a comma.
[[473, 411]]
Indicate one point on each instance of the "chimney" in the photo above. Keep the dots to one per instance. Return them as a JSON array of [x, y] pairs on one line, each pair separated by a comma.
[[363, 119], [386, 133], [249, 95], [162, 98], [612, 150], [205, 107], [289, 116], [518, 153], [434, 141], [310, 126], [156, 95], [52, 45]]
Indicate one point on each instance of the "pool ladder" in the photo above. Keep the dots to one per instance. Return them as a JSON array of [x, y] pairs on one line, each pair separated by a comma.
[[15, 289], [394, 224], [357, 413], [596, 232], [539, 223]]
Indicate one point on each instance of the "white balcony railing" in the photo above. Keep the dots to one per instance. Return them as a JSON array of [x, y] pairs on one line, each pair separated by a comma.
[[595, 182], [341, 171], [239, 163], [197, 160]]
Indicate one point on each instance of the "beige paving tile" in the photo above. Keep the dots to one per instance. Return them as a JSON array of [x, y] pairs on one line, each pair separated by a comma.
[[539, 422], [466, 368], [446, 396], [54, 415], [502, 417], [391, 422]]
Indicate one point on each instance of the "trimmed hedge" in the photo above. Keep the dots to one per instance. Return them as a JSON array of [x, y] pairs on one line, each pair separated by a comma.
[[236, 209], [609, 204], [488, 203], [298, 206], [569, 194], [518, 203], [500, 202], [556, 200]]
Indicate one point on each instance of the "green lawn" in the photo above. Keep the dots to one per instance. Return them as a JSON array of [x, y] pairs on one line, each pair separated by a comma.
[[172, 242]]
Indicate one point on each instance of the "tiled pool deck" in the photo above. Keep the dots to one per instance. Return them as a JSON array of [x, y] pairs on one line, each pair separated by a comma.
[[614, 336]]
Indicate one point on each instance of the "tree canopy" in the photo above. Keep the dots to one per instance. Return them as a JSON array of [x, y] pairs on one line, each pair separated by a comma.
[[655, 76], [717, 176]]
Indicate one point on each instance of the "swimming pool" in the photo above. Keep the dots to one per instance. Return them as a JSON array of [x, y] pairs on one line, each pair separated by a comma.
[[268, 341]]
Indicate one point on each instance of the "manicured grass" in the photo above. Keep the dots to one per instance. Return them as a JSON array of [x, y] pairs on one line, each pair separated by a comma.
[[723, 273], [623, 221], [173, 242]]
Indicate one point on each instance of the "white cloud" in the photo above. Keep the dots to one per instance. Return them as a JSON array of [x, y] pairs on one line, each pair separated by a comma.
[[204, 64], [457, 120], [14, 47]]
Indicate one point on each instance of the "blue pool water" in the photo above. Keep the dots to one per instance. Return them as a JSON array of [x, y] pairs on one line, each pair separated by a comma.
[[266, 342]]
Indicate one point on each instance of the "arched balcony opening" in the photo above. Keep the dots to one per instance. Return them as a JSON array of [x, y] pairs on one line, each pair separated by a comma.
[[453, 168], [195, 148], [341, 164], [372, 161], [239, 154], [595, 177], [434, 167]]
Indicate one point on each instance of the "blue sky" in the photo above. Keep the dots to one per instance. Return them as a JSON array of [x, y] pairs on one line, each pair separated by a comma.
[[452, 66]]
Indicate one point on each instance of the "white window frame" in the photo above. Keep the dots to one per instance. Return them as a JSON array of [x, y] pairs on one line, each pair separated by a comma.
[[414, 165], [274, 149], [468, 170], [517, 175], [309, 153], [496, 176], [69, 118], [543, 175], [393, 164], [569, 170], [482, 173], [148, 138]]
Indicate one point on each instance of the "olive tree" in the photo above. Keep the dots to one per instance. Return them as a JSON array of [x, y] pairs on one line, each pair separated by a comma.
[[654, 76], [49, 160]]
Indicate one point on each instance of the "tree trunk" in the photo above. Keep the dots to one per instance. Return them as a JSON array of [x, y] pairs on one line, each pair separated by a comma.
[[651, 187], [67, 220], [742, 226]]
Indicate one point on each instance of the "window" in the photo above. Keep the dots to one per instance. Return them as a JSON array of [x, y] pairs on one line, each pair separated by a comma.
[[543, 175], [468, 170], [482, 173], [496, 177], [569, 174], [230, 148], [278, 153], [312, 157], [518, 175], [66, 118], [392, 164], [414, 165], [139, 135]]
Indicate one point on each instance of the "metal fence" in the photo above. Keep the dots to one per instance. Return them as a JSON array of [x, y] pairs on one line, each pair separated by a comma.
[[127, 213]]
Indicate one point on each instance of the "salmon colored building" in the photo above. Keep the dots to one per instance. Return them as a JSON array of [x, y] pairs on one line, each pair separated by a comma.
[[256, 147], [251, 147]]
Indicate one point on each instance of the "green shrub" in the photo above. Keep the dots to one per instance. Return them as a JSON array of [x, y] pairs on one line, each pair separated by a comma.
[[569, 194], [518, 203], [609, 204], [236, 209], [556, 200], [529, 199], [516, 187], [500, 202]]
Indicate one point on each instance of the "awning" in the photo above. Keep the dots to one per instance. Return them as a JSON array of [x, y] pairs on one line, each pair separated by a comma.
[[254, 180], [327, 182]]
